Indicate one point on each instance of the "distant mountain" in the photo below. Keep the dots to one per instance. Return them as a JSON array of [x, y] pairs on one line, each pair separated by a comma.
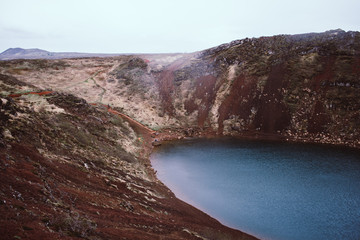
[[35, 53]]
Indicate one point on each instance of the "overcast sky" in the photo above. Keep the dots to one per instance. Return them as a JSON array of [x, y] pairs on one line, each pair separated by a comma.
[[158, 26]]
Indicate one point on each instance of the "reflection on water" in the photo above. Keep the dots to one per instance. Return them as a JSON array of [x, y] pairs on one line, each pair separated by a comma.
[[272, 190]]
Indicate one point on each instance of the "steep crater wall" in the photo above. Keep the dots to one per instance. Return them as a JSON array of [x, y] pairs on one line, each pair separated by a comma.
[[303, 88]]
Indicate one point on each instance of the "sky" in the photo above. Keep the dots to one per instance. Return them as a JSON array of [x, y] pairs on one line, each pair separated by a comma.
[[162, 26]]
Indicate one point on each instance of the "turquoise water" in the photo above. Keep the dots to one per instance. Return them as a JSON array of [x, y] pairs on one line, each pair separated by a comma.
[[272, 190]]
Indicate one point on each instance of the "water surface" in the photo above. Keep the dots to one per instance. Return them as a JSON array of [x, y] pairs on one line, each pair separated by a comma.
[[272, 190]]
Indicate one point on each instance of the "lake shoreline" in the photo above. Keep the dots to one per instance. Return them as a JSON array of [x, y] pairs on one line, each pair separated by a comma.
[[214, 140], [169, 135], [205, 224]]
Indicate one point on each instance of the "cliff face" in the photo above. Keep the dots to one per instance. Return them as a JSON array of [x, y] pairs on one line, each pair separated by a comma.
[[73, 165], [302, 87]]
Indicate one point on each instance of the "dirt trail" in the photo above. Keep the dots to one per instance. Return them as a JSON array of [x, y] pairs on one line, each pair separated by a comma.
[[129, 119], [15, 95], [143, 131], [144, 134], [109, 109]]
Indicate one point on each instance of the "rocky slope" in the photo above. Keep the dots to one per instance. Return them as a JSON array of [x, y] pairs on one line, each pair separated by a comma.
[[72, 170], [88, 168]]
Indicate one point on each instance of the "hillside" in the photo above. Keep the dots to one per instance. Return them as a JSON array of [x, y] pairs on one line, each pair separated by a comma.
[[73, 170], [76, 133]]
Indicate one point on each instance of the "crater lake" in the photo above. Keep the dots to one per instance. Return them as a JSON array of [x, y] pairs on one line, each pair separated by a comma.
[[272, 190]]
